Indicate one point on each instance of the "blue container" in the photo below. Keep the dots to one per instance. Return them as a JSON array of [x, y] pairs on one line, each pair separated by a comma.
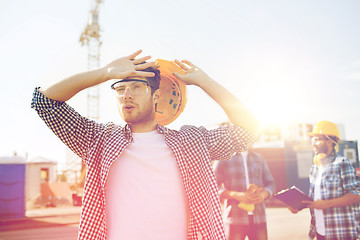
[[12, 191]]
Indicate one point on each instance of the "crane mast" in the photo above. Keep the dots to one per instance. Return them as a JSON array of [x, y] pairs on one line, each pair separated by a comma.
[[91, 38]]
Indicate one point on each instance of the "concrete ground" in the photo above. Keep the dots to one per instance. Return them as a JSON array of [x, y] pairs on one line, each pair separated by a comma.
[[43, 218], [282, 225]]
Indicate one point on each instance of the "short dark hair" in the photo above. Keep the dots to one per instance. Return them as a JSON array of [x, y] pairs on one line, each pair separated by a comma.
[[154, 81], [335, 139]]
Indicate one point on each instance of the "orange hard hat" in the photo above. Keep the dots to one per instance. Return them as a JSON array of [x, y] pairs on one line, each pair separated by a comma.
[[325, 128], [173, 98]]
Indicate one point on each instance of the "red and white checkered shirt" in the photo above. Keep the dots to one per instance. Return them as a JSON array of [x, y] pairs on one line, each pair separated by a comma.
[[100, 144]]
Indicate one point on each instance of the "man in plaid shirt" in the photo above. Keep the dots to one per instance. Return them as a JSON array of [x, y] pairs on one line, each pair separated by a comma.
[[335, 188], [145, 181], [235, 178]]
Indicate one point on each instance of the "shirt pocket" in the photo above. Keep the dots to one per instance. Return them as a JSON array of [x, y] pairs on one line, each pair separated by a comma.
[[333, 185]]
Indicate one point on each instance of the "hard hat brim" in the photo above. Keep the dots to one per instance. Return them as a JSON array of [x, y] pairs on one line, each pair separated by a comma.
[[319, 134]]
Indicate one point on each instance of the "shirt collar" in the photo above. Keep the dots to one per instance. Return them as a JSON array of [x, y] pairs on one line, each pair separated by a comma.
[[330, 158], [161, 129], [128, 133]]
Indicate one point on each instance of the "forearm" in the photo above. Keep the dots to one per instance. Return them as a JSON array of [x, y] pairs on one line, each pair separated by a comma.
[[237, 113], [239, 196], [244, 197], [343, 201], [68, 125], [227, 194], [68, 87]]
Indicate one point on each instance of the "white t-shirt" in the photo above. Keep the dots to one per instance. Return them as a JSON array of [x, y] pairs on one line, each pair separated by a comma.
[[319, 214], [145, 197]]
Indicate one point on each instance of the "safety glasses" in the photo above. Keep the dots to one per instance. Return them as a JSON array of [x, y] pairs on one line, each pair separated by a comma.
[[136, 86]]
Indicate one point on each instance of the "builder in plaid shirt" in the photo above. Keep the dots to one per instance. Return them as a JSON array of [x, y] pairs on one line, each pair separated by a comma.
[[234, 178], [145, 181], [335, 188]]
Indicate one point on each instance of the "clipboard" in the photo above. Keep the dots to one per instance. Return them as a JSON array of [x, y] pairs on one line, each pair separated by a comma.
[[293, 198]]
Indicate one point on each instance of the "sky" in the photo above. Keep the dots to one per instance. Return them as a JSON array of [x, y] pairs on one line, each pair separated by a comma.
[[288, 61]]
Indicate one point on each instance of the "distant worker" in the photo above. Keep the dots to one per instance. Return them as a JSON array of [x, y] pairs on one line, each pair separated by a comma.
[[335, 188], [245, 182]]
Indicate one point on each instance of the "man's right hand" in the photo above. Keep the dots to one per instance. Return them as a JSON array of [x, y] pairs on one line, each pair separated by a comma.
[[129, 67], [119, 69]]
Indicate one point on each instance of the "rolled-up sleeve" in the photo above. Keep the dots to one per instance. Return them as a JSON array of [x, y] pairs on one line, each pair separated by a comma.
[[267, 178], [351, 181], [76, 131]]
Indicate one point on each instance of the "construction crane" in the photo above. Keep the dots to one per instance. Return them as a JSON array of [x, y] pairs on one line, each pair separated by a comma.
[[91, 38]]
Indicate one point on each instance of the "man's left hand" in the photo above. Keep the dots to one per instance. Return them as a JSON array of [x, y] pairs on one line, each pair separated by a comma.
[[193, 74]]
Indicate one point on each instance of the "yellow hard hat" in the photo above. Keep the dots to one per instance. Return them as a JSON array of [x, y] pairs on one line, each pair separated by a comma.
[[325, 128], [173, 98]]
